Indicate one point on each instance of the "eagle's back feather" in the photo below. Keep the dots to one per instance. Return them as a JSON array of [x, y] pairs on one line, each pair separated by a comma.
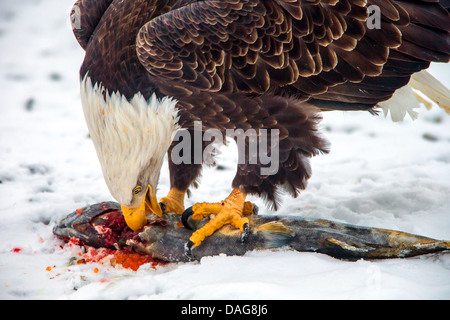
[[262, 63]]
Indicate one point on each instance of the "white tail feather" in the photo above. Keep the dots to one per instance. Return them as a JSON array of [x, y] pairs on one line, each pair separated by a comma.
[[431, 87], [402, 101]]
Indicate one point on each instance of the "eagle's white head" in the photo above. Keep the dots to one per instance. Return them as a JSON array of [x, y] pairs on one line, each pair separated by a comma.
[[131, 138]]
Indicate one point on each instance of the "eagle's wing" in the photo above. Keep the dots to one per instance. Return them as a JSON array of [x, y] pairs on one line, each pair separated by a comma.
[[318, 50], [85, 16]]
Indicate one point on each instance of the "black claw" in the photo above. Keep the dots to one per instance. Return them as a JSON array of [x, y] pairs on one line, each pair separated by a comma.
[[163, 207], [246, 233], [188, 248], [185, 218]]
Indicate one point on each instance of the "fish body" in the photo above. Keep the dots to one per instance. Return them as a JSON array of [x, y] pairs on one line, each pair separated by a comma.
[[102, 225]]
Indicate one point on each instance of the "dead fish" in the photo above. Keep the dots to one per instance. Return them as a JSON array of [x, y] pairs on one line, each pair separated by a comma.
[[102, 225]]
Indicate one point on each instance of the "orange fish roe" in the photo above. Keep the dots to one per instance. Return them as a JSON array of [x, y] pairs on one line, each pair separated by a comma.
[[129, 260], [132, 260], [48, 268]]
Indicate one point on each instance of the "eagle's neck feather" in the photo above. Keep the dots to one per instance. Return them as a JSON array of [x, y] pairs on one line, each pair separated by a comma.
[[131, 137]]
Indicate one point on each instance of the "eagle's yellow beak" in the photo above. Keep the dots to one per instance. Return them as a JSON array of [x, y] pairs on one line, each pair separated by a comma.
[[136, 217]]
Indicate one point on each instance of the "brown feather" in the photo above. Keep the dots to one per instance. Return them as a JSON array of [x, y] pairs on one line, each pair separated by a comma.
[[260, 64]]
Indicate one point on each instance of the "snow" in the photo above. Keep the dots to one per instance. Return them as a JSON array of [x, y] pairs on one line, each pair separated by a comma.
[[379, 174]]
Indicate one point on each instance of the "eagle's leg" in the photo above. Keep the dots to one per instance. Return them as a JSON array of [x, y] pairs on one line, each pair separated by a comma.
[[182, 176], [230, 211]]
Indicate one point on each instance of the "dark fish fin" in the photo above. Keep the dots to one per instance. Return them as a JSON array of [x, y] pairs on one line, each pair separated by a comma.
[[275, 234]]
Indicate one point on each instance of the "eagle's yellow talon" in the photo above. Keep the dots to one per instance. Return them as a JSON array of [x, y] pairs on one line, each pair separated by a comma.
[[174, 201], [249, 208], [229, 211], [205, 209]]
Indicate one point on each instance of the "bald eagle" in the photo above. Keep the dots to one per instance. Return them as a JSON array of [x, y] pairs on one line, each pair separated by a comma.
[[155, 67]]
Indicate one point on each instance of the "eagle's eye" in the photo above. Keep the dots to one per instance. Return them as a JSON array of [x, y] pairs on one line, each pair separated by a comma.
[[137, 189]]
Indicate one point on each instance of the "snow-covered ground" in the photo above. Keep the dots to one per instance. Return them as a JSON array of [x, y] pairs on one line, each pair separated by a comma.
[[379, 174]]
